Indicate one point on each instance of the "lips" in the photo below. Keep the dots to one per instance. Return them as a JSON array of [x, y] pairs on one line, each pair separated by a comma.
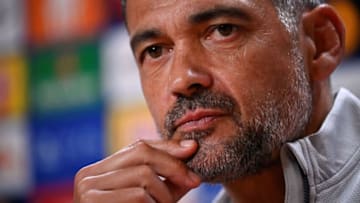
[[200, 119]]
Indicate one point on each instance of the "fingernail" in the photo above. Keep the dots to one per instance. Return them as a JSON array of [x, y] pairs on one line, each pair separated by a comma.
[[187, 143]]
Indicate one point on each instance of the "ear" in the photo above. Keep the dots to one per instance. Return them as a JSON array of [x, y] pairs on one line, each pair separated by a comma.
[[324, 40]]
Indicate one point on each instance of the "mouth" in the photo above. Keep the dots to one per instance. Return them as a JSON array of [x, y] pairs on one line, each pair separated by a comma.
[[198, 120]]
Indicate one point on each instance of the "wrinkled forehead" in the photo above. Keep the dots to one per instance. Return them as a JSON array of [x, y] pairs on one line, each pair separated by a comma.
[[143, 12], [138, 10]]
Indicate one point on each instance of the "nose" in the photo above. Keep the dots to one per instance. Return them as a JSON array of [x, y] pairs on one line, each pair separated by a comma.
[[189, 73]]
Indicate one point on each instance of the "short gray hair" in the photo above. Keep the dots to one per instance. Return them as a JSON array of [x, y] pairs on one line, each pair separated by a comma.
[[289, 11]]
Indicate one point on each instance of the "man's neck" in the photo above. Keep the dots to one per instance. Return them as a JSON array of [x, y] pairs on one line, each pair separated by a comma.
[[266, 186]]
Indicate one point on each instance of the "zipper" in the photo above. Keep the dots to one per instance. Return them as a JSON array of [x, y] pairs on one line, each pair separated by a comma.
[[306, 187]]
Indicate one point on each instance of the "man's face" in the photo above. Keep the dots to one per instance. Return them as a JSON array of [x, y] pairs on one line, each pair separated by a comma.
[[224, 73]]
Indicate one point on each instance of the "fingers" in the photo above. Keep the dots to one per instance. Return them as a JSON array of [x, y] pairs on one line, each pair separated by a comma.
[[138, 167], [140, 176], [136, 177], [142, 153]]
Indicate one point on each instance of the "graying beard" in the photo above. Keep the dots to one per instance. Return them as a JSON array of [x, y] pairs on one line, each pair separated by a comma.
[[243, 155]]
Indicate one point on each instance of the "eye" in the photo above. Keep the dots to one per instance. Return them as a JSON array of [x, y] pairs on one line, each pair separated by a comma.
[[222, 32], [154, 51], [225, 29]]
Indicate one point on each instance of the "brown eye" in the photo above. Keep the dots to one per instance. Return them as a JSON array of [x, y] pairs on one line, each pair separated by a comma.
[[154, 51], [226, 29]]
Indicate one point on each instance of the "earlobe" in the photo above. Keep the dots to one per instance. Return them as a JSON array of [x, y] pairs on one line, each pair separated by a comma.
[[325, 40]]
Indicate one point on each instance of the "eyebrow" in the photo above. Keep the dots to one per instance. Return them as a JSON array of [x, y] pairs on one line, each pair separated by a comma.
[[197, 18], [217, 12], [144, 36]]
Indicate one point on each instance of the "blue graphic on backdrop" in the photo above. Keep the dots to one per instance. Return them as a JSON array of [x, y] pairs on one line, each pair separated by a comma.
[[62, 144]]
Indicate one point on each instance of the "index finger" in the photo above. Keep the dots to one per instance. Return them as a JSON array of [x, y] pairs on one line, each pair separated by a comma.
[[181, 149]]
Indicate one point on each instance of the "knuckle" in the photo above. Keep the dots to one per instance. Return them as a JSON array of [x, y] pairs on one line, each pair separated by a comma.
[[147, 176], [142, 196], [146, 171], [79, 175], [85, 185], [82, 173], [141, 145], [145, 150], [88, 197], [84, 198]]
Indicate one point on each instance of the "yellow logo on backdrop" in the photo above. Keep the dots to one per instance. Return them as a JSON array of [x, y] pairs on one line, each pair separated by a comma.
[[129, 123], [12, 86]]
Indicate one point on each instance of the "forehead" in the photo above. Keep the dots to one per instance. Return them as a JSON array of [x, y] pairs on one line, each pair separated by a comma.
[[142, 12]]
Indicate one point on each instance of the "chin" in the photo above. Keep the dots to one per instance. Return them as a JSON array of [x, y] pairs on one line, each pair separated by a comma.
[[226, 159]]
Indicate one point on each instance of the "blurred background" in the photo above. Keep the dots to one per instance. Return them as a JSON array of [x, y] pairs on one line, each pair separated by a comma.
[[70, 93]]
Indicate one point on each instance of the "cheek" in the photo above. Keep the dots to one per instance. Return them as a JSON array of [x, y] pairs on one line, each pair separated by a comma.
[[256, 73], [154, 96]]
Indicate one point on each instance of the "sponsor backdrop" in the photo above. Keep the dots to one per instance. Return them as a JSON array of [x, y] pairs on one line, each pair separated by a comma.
[[70, 93]]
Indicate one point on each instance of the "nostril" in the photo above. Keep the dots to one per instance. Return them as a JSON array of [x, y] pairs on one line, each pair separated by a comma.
[[190, 90], [195, 87]]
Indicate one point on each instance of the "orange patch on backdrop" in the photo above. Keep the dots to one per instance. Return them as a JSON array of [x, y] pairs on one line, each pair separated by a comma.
[[51, 21], [351, 16]]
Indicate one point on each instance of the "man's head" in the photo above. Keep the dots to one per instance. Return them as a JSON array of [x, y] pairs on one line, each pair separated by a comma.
[[241, 77]]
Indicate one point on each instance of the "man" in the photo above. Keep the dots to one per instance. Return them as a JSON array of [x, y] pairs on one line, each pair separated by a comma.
[[240, 93]]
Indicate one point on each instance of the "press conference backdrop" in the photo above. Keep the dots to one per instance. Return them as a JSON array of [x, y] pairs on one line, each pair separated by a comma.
[[70, 93]]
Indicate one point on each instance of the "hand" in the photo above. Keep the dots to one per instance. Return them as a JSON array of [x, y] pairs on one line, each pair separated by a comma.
[[146, 171]]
